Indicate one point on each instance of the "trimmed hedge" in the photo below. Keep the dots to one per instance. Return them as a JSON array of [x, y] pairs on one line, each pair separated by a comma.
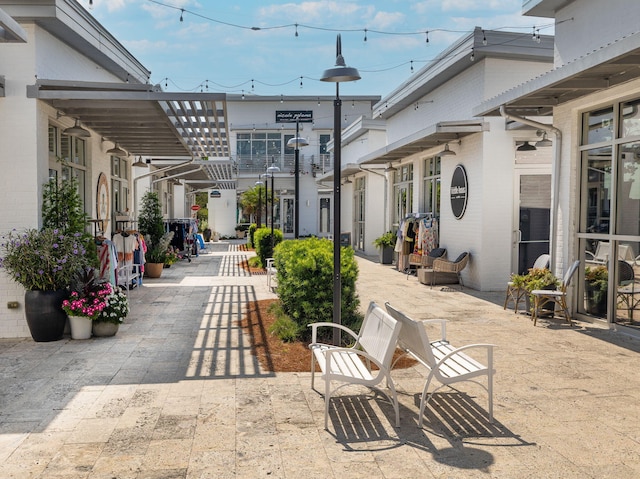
[[262, 243], [305, 284]]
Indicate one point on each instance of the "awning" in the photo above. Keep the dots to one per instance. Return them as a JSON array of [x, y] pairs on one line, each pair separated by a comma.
[[142, 119], [145, 121], [10, 30], [611, 65], [435, 135]]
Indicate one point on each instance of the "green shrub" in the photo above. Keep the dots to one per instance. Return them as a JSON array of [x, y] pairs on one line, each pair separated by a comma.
[[252, 232], [284, 327], [262, 243], [305, 284]]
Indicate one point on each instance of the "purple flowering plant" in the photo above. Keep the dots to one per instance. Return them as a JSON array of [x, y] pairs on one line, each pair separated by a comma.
[[42, 260]]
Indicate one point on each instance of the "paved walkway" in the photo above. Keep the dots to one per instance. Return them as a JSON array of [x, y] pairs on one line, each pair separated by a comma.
[[177, 394]]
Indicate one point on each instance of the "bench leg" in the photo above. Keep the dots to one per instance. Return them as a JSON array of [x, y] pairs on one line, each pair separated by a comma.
[[423, 402], [327, 399]]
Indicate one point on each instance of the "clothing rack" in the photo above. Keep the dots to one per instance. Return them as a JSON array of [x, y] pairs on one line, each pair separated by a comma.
[[411, 241]]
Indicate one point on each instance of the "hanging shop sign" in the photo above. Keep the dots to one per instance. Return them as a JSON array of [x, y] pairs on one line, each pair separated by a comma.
[[195, 207], [458, 192], [290, 116], [215, 194]]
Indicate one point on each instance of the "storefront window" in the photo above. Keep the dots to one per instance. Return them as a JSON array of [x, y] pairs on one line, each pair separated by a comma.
[[432, 186], [609, 232], [598, 126], [403, 192], [358, 211]]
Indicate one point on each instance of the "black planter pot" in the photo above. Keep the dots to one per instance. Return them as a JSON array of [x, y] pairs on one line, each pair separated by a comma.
[[386, 255], [206, 235], [45, 317], [595, 300]]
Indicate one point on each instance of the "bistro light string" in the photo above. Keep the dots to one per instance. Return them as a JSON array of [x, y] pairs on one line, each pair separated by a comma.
[[297, 27]]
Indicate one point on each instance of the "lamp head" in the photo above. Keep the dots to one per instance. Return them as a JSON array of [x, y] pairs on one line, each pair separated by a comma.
[[340, 72]]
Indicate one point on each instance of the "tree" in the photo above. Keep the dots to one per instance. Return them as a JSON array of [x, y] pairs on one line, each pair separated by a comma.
[[253, 197], [150, 221]]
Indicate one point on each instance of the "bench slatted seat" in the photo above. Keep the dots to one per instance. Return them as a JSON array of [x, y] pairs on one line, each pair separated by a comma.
[[375, 344], [445, 362]]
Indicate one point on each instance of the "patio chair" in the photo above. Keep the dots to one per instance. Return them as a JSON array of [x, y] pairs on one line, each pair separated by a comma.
[[456, 266], [516, 294], [425, 260], [557, 296], [628, 291]]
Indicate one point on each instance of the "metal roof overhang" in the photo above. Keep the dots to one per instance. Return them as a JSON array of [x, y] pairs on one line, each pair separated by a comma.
[[217, 173], [611, 65], [435, 135], [10, 30], [146, 121]]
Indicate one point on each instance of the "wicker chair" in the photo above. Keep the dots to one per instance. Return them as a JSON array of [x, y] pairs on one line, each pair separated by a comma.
[[441, 265], [426, 260]]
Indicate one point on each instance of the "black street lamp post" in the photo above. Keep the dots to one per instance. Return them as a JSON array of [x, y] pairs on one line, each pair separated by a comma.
[[258, 184], [337, 74], [297, 142], [271, 171]]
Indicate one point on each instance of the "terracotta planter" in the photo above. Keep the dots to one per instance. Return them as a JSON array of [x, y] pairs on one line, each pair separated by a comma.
[[103, 329], [45, 317], [80, 327], [153, 270]]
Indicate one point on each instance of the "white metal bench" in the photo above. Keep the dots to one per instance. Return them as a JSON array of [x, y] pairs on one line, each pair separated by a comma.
[[445, 363], [375, 343], [271, 274]]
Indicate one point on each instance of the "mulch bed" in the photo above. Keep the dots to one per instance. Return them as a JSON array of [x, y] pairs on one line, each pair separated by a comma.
[[276, 355]]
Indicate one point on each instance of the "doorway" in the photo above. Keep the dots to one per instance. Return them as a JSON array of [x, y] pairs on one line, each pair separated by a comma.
[[531, 217]]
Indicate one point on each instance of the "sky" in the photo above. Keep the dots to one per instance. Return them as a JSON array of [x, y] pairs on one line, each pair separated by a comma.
[[250, 46]]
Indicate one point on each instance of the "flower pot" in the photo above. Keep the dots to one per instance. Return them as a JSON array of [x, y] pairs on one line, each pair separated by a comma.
[[45, 316], [386, 255], [206, 235], [103, 329], [595, 300], [153, 270], [80, 327]]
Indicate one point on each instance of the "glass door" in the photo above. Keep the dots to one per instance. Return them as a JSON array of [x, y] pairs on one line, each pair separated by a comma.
[[288, 212], [531, 217]]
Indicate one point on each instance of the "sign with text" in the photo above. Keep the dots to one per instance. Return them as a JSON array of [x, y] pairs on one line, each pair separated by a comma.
[[290, 116], [458, 192]]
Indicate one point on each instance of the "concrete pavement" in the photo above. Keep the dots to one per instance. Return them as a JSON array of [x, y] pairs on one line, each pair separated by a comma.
[[177, 394]]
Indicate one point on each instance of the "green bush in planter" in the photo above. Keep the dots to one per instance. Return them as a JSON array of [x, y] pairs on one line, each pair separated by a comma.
[[305, 283], [252, 232], [262, 243]]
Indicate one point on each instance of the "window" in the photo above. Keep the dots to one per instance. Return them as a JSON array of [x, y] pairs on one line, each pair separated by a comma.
[[256, 150], [119, 186], [359, 213], [610, 199], [72, 152], [432, 176], [402, 192]]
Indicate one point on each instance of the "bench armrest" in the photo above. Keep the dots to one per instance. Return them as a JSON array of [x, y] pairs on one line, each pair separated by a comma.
[[488, 347], [329, 352], [315, 326]]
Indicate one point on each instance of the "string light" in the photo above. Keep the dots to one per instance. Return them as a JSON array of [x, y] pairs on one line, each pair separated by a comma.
[[484, 38], [427, 34], [296, 29], [411, 66], [181, 15], [473, 54], [365, 34]]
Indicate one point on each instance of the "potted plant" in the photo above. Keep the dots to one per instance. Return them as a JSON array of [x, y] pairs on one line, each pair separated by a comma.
[[86, 301], [385, 244], [241, 230], [112, 315], [596, 279], [156, 255], [170, 258], [151, 225], [537, 278], [44, 263]]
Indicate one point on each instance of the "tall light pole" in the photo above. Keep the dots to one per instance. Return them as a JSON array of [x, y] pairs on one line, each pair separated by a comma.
[[258, 184], [297, 142], [271, 172], [339, 73]]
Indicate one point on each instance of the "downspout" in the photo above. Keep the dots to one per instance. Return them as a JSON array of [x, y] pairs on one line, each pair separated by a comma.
[[555, 178], [151, 173]]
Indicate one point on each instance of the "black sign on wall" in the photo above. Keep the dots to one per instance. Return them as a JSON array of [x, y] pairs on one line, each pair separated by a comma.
[[458, 192], [289, 116]]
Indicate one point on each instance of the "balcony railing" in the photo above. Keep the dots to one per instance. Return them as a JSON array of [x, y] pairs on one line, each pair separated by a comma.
[[254, 165]]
